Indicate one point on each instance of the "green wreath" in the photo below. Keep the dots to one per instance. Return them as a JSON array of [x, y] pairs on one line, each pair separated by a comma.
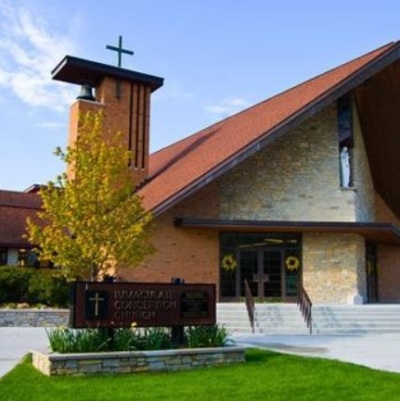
[[229, 262], [292, 263]]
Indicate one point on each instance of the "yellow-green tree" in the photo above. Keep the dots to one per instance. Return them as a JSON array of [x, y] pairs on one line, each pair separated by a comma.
[[92, 223]]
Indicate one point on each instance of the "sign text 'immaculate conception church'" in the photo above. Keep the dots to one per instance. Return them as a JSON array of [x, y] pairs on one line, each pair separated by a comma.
[[102, 304]]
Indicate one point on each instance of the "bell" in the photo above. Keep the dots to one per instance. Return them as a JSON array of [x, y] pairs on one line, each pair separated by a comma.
[[86, 93]]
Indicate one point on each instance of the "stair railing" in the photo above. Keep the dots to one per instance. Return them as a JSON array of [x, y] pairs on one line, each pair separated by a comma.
[[249, 304], [305, 306]]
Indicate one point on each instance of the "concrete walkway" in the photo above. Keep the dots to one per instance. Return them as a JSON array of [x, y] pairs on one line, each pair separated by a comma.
[[15, 342], [375, 351]]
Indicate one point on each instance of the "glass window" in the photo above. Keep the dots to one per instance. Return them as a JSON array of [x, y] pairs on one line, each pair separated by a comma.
[[3, 256], [27, 258]]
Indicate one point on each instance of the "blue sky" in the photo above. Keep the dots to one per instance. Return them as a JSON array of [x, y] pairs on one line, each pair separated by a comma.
[[217, 57]]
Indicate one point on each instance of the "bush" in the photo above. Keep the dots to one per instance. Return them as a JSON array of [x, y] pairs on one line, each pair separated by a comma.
[[153, 338], [49, 288], [33, 286], [14, 284], [67, 340], [206, 336]]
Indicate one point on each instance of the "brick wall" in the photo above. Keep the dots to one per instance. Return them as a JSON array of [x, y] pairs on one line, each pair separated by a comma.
[[192, 254], [388, 273], [388, 265], [127, 114]]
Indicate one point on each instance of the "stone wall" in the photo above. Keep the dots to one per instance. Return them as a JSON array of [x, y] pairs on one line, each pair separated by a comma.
[[135, 362], [34, 317], [334, 268], [295, 178], [362, 179]]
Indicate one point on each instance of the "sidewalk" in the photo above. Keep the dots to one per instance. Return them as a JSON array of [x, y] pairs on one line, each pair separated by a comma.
[[15, 342], [376, 351]]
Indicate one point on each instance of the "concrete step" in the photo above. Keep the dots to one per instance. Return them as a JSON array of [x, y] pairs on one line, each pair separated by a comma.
[[356, 319], [284, 319], [234, 317]]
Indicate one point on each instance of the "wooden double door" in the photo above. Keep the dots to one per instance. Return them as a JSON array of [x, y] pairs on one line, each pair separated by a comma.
[[266, 272]]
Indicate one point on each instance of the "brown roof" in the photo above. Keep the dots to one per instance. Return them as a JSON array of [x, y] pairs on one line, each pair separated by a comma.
[[182, 168], [15, 207]]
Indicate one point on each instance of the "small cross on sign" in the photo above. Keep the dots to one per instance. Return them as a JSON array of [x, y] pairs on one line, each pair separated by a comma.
[[96, 299], [119, 50]]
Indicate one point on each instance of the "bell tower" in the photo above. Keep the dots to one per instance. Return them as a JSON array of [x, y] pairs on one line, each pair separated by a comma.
[[123, 96]]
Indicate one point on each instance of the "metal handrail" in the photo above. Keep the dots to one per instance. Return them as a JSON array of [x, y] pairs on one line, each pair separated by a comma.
[[305, 306], [249, 303]]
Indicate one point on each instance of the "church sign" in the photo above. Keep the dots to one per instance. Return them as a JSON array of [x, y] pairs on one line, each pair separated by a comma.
[[107, 305]]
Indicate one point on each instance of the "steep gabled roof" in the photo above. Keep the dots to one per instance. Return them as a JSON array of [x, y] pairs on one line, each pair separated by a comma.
[[182, 168], [15, 207]]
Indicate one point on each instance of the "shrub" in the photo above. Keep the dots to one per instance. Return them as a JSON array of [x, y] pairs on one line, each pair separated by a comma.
[[67, 340], [48, 287], [14, 284], [33, 286], [206, 336], [152, 338]]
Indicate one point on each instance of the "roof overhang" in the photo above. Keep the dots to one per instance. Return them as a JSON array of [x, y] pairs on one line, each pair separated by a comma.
[[383, 233], [378, 101], [80, 71]]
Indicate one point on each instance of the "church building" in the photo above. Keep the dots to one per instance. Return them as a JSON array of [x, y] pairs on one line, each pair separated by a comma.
[[297, 193]]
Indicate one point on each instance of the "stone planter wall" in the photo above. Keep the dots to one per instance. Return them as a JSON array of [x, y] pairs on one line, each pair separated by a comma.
[[55, 364], [33, 317]]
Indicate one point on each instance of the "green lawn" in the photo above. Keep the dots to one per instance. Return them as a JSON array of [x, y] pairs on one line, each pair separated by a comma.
[[265, 376]]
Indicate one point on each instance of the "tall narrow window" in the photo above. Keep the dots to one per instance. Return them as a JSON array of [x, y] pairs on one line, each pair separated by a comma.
[[3, 256], [346, 140]]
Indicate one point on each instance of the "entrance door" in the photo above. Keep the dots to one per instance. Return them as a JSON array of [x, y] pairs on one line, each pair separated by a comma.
[[263, 270]]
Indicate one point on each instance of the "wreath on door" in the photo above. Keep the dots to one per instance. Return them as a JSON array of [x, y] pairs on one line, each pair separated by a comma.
[[292, 263], [229, 262]]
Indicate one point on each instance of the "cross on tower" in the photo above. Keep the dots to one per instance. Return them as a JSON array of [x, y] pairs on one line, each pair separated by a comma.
[[119, 50]]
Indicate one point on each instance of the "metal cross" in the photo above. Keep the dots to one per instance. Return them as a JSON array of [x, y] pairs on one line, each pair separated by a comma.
[[119, 50]]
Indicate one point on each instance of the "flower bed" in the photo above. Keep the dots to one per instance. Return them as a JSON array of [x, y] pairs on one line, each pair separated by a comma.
[[55, 364]]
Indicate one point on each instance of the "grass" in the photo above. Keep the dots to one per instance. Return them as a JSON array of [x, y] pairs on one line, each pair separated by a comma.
[[266, 376]]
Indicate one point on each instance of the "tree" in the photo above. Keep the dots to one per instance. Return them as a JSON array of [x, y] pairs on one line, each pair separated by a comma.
[[92, 223]]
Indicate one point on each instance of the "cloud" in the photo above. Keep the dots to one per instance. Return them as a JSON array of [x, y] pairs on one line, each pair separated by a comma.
[[228, 106], [29, 50], [51, 125]]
